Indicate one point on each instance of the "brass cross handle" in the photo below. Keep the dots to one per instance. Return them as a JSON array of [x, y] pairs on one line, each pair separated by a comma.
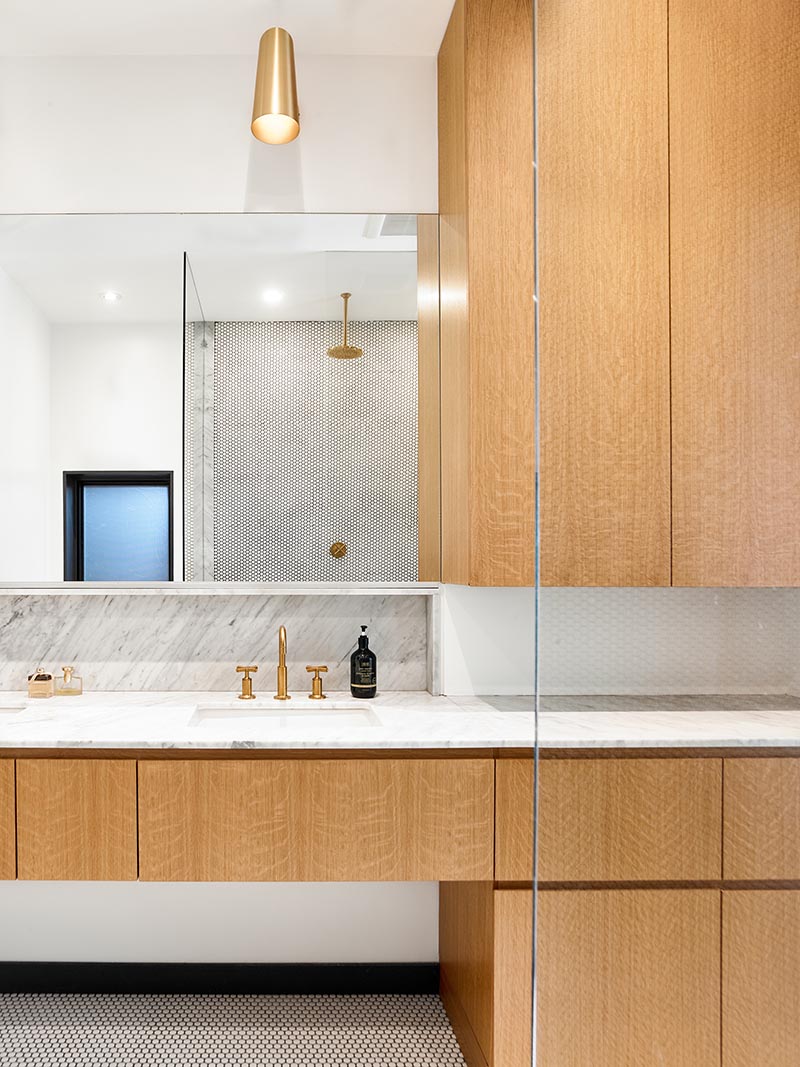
[[316, 682], [247, 682]]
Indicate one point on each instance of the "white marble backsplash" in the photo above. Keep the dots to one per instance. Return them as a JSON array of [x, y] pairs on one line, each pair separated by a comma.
[[193, 644]]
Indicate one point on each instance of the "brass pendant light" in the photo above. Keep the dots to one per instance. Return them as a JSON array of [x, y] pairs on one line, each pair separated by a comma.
[[276, 116], [344, 350]]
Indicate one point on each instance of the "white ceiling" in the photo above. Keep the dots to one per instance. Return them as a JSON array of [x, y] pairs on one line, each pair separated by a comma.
[[214, 27], [64, 263]]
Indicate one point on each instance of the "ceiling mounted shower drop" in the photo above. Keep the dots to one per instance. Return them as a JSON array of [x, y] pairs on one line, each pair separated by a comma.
[[276, 115], [344, 350]]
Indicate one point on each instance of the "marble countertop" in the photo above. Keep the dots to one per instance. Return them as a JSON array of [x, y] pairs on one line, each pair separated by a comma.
[[394, 721]]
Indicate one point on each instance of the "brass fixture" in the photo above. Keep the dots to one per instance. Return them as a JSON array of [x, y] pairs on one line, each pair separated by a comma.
[[283, 674], [316, 682], [338, 549], [247, 682], [344, 350], [276, 116]]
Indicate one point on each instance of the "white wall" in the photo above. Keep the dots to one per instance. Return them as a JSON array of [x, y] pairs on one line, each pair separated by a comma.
[[117, 403], [487, 640], [24, 434], [219, 922], [172, 133]]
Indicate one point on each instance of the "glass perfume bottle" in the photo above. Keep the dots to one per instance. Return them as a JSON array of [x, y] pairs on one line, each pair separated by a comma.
[[70, 685], [40, 684]]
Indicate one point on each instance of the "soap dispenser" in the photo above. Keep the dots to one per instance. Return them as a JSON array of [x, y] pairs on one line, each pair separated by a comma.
[[70, 685], [363, 669]]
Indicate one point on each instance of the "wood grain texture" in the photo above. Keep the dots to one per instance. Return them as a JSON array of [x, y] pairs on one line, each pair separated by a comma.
[[761, 837], [629, 977], [316, 820], [760, 978], [622, 820], [513, 941], [735, 222], [499, 109], [428, 407], [455, 350], [8, 830], [76, 819], [604, 293], [486, 213], [466, 957], [513, 857]]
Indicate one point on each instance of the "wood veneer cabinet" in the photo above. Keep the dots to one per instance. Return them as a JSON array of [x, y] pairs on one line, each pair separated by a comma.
[[76, 819], [8, 833], [761, 838], [487, 320], [734, 91], [316, 820], [760, 978], [610, 820]]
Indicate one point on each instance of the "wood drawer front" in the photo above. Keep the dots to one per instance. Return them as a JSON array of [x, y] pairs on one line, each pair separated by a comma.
[[628, 977], [76, 819], [761, 838], [761, 978], [8, 833], [611, 820], [316, 820]]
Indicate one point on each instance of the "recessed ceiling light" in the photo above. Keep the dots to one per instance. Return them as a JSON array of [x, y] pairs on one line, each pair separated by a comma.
[[272, 296], [111, 296]]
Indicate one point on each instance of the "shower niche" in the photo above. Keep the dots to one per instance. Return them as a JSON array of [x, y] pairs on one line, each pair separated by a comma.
[[302, 429]]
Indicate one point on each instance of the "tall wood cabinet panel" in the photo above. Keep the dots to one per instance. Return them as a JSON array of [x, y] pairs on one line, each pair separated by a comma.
[[735, 239], [487, 320], [76, 819], [628, 977], [316, 820], [761, 978], [8, 831], [604, 293]]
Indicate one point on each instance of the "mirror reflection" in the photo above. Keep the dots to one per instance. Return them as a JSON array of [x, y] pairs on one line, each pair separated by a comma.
[[218, 398]]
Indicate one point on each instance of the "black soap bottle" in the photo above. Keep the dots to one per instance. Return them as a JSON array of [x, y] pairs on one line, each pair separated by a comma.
[[363, 669]]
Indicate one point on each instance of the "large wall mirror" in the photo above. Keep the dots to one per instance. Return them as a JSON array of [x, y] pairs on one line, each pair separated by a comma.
[[180, 402]]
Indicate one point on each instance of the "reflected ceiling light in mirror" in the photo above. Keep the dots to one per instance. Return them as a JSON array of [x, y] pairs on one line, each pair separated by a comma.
[[111, 296], [276, 116], [272, 296]]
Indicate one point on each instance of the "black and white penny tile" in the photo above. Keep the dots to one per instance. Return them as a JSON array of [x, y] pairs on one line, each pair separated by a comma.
[[137, 1030]]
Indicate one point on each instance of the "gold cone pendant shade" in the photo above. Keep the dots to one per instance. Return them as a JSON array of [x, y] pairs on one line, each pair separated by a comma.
[[344, 350], [276, 116]]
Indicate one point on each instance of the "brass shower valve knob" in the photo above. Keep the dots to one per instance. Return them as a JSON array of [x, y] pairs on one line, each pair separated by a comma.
[[316, 682]]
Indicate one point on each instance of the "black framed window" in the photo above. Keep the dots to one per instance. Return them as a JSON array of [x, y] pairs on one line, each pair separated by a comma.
[[118, 526]]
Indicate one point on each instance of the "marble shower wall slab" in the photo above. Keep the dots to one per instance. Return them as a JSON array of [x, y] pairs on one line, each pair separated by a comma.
[[128, 643]]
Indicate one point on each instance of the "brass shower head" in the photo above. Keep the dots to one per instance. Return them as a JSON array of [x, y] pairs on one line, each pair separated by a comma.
[[344, 350]]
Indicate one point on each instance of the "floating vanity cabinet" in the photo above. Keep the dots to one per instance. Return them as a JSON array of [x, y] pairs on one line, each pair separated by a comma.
[[487, 319], [76, 819], [761, 978], [735, 239], [316, 819], [8, 835], [611, 820], [604, 293]]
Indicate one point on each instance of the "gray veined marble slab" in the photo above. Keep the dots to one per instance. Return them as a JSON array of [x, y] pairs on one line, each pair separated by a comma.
[[401, 720]]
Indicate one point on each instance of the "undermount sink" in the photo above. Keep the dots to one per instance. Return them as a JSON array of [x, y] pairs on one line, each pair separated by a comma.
[[336, 713]]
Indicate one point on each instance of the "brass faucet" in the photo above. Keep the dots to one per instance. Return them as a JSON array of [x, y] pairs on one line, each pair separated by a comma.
[[283, 676], [247, 682]]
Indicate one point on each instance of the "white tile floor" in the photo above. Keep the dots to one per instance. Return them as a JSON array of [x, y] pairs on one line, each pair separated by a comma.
[[89, 1030]]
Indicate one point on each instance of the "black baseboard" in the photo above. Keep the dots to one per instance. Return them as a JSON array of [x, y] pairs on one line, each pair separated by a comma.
[[271, 978]]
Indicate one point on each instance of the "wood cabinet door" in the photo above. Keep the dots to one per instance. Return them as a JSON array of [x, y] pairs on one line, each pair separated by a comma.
[[610, 820], [316, 820], [76, 819], [761, 836], [628, 977], [604, 288], [761, 978], [734, 85], [8, 831]]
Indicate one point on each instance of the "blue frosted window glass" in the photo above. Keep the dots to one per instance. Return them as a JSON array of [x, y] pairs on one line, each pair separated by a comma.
[[125, 533]]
